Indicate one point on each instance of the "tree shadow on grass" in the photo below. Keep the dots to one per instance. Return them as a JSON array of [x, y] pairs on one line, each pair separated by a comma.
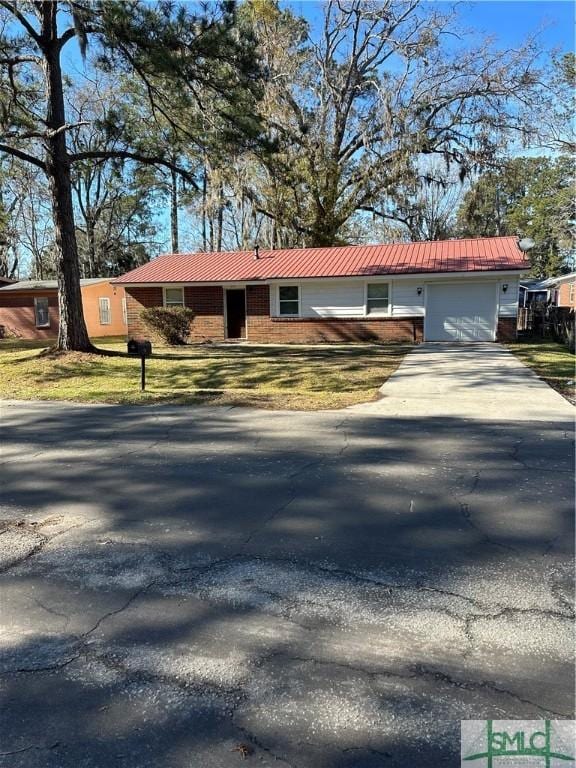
[[262, 370]]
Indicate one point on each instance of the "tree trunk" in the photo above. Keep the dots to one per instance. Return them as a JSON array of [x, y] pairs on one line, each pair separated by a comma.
[[174, 210], [323, 232], [220, 223], [204, 199], [91, 246], [72, 333]]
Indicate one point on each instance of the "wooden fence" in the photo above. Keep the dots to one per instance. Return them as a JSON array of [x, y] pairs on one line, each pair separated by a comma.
[[547, 322]]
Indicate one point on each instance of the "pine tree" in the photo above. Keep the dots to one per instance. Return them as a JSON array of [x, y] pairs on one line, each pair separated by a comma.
[[155, 43]]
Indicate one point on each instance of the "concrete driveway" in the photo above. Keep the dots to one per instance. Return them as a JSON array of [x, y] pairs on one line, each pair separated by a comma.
[[184, 587], [469, 381]]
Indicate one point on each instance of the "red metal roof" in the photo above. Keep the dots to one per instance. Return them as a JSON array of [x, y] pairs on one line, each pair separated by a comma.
[[479, 255]]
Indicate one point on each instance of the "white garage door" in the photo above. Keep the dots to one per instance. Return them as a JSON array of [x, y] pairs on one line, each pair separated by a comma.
[[465, 312]]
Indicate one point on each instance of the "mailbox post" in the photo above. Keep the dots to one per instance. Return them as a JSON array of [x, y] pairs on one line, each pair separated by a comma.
[[143, 349]]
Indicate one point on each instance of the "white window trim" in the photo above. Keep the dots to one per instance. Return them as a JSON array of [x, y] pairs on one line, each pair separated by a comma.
[[36, 323], [173, 288], [124, 310], [289, 285], [383, 312], [108, 311]]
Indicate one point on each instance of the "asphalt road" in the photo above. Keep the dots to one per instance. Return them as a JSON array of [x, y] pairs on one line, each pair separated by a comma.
[[181, 586]]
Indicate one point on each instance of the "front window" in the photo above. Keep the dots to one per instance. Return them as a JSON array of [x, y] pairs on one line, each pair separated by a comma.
[[41, 312], [571, 293], [174, 297], [289, 300], [104, 311], [377, 299]]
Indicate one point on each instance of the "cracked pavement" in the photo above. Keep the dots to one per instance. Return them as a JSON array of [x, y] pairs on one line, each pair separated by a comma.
[[190, 586]]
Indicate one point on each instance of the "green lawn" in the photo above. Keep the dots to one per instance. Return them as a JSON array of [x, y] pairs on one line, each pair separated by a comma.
[[287, 377], [551, 361]]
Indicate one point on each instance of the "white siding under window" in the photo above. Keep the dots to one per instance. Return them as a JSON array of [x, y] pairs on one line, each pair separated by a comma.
[[339, 298], [332, 299], [347, 299]]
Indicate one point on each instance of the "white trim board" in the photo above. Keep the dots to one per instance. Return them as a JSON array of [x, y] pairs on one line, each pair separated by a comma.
[[421, 276]]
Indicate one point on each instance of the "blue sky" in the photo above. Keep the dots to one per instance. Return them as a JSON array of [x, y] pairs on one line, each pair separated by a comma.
[[509, 21], [512, 20]]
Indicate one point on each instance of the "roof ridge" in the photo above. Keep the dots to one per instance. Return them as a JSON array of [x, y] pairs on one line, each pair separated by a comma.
[[404, 244]]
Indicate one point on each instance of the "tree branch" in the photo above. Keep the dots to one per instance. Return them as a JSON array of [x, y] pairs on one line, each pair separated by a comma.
[[382, 215], [11, 8], [23, 156], [12, 61], [71, 33], [118, 154], [43, 134], [66, 36]]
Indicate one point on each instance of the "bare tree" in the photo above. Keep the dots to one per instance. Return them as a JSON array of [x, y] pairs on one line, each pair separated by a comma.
[[552, 111], [427, 205], [354, 109], [30, 247]]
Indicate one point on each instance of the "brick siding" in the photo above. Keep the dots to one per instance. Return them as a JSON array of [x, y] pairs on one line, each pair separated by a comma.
[[567, 295], [208, 324], [263, 327], [138, 299], [506, 329], [207, 304], [18, 317], [314, 330]]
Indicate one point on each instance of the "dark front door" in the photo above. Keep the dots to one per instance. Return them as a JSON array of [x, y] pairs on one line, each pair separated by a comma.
[[236, 314]]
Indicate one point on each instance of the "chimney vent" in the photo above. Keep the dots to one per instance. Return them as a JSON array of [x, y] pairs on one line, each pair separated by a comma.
[[256, 252]]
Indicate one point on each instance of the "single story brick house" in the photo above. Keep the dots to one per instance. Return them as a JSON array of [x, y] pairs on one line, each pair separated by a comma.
[[29, 308], [453, 290]]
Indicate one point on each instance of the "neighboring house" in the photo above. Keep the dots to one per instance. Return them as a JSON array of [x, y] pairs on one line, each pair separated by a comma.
[[5, 281], [29, 308], [557, 291], [460, 290], [533, 292], [565, 290]]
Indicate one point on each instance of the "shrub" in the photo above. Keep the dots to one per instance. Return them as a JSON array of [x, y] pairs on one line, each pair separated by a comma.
[[172, 324]]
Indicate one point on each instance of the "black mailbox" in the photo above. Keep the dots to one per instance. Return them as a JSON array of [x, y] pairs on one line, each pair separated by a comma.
[[139, 347]]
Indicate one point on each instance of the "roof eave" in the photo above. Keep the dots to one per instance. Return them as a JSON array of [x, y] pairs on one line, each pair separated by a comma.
[[356, 277]]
